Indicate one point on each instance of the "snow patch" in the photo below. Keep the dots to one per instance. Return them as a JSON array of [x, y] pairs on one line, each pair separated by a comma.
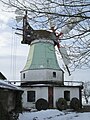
[[54, 115]]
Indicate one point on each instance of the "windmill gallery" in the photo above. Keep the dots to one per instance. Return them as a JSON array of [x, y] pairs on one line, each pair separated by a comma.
[[42, 79]]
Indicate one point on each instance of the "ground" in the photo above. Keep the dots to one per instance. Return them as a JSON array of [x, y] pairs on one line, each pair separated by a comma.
[[54, 115]]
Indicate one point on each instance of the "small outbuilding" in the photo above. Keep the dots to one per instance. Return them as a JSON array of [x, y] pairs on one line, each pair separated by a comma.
[[10, 100], [51, 95]]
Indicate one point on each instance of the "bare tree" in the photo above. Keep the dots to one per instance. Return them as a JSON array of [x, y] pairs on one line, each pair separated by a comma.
[[45, 13], [86, 91]]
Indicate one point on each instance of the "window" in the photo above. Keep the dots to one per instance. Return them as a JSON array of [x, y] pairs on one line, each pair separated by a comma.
[[23, 75], [30, 96], [67, 95], [54, 74]]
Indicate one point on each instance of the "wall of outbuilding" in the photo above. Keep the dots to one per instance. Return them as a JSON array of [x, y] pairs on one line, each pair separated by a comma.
[[59, 92], [42, 92]]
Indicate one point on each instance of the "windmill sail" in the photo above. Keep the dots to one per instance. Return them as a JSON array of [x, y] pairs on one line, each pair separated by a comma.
[[70, 24], [65, 57], [19, 12], [19, 18]]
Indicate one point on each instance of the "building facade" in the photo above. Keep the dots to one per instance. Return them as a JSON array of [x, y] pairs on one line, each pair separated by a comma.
[[43, 80]]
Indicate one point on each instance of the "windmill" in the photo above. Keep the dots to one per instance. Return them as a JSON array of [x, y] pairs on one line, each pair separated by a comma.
[[29, 34], [42, 73]]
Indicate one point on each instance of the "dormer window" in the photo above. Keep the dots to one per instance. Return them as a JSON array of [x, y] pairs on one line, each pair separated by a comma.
[[23, 75], [54, 74]]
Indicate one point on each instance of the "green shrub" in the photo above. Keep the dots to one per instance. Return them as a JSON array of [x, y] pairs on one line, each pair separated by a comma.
[[75, 103], [61, 104], [41, 104]]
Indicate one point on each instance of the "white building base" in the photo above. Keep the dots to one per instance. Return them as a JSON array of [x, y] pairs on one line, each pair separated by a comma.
[[51, 93]]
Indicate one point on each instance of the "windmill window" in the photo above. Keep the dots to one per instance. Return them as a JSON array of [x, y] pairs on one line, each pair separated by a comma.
[[30, 96], [54, 74], [23, 75], [67, 95]]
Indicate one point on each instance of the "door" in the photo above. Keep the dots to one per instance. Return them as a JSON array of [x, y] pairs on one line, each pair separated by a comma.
[[50, 97]]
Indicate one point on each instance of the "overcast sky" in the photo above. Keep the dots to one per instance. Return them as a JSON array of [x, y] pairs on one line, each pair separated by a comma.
[[13, 54]]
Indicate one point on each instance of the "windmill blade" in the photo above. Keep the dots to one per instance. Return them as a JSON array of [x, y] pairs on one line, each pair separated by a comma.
[[50, 17], [70, 24], [65, 58], [64, 55], [19, 18], [19, 12]]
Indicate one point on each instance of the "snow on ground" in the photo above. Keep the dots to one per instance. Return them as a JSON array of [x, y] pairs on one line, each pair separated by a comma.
[[54, 115]]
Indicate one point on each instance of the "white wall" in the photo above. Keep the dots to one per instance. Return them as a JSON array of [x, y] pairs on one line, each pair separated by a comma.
[[42, 92], [42, 75], [59, 92]]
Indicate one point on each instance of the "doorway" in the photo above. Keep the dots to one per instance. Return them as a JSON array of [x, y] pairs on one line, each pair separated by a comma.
[[50, 96]]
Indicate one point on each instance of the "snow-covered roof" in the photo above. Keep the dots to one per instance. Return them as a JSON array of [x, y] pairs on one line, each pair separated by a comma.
[[7, 85]]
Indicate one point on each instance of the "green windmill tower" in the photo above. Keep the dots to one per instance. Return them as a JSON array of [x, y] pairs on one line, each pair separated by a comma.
[[42, 65]]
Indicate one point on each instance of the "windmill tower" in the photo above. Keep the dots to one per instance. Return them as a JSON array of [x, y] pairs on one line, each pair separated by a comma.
[[42, 79], [41, 66]]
